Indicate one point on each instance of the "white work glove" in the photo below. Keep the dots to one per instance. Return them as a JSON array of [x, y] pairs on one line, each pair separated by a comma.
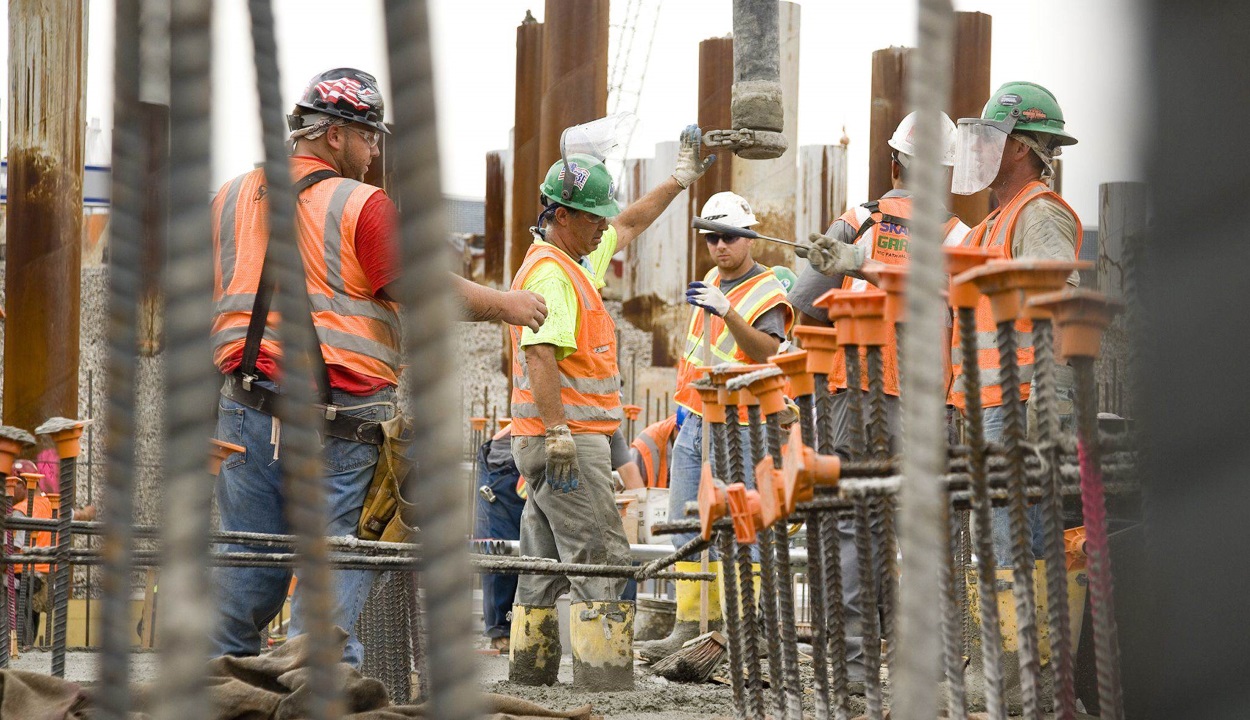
[[689, 166], [561, 458], [708, 297], [830, 256]]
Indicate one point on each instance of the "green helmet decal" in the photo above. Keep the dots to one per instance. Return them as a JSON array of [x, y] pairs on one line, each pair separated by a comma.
[[786, 276], [1032, 107], [584, 185]]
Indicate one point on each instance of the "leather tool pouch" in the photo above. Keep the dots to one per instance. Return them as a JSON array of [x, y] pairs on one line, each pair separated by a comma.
[[387, 515]]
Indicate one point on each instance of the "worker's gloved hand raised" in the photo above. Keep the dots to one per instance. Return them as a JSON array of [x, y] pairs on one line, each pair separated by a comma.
[[708, 297], [830, 256], [690, 166], [561, 458], [524, 309]]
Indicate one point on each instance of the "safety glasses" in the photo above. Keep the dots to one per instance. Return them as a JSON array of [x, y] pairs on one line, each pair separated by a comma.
[[713, 238], [369, 136]]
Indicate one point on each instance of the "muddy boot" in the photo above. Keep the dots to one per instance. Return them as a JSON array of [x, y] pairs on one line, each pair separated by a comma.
[[602, 632], [534, 652], [686, 625]]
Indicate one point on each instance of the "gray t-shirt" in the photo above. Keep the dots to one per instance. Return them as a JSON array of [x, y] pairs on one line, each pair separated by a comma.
[[773, 321], [619, 449]]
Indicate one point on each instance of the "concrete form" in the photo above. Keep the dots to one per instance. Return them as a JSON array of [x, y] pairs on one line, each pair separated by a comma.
[[496, 207], [821, 196], [716, 76], [525, 171], [969, 91]]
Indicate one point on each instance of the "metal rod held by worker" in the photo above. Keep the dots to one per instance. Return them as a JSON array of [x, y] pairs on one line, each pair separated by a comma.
[[699, 223]]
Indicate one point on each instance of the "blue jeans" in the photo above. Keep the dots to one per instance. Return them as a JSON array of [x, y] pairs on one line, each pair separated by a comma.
[[250, 499], [498, 520], [687, 467]]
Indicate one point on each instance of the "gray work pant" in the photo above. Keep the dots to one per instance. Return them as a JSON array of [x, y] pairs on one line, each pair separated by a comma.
[[573, 525]]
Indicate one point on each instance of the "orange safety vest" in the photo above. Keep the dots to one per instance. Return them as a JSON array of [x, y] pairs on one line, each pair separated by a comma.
[[590, 382], [750, 299], [998, 238], [357, 330], [881, 226], [652, 446], [41, 510]]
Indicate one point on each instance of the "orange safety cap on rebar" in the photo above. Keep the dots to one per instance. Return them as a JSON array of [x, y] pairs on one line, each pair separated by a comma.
[[713, 503], [744, 508], [821, 345], [9, 448], [793, 365], [632, 411], [32, 480], [1005, 282], [865, 312], [1082, 316], [768, 485], [478, 423], [803, 469], [10, 485], [894, 282], [54, 499], [771, 392], [1038, 277], [713, 411], [959, 260], [744, 397]]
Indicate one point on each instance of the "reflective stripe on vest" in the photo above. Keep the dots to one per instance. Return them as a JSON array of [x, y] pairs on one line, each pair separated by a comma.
[[750, 299], [357, 331], [886, 242], [590, 381], [998, 239]]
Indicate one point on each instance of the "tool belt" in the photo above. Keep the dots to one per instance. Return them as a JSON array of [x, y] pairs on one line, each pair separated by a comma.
[[387, 515], [244, 391]]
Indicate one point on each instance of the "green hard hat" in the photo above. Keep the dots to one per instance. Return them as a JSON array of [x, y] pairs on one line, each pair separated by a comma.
[[786, 276], [1034, 108], [588, 187]]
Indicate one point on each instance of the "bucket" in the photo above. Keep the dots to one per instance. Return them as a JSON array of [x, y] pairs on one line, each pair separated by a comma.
[[654, 619]]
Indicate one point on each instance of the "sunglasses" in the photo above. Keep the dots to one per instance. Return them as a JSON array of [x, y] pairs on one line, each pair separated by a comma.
[[713, 238]]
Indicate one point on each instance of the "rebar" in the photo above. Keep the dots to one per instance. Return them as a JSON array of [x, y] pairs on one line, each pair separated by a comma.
[[384, 630], [878, 423], [759, 440], [8, 604], [60, 590], [868, 607], [878, 449], [750, 633], [425, 293], [785, 590], [1014, 435], [1093, 503], [733, 446], [819, 613], [854, 401], [416, 625], [807, 418], [725, 543], [952, 623], [1047, 403], [829, 548], [694, 545], [124, 281]]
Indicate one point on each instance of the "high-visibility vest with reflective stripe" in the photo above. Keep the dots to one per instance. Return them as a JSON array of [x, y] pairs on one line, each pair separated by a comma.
[[998, 239], [652, 446], [357, 330], [590, 382], [886, 240], [42, 510], [750, 299]]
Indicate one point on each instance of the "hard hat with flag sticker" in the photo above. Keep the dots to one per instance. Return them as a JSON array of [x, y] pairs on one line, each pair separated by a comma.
[[346, 93], [1014, 107], [581, 182]]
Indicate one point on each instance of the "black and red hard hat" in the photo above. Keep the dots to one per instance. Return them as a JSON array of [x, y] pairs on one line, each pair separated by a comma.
[[343, 92]]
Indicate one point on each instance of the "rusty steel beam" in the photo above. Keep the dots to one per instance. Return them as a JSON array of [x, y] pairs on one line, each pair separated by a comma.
[[971, 76], [526, 173], [889, 106], [575, 71], [716, 78], [496, 206], [44, 214]]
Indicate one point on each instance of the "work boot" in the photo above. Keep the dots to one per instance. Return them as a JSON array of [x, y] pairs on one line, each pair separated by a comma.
[[686, 624], [534, 652], [602, 633]]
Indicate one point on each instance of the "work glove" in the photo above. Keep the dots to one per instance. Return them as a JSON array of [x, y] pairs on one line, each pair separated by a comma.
[[708, 297], [689, 166], [830, 256], [561, 458]]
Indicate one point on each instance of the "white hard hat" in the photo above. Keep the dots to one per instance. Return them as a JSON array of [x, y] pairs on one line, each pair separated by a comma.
[[729, 208], [902, 140]]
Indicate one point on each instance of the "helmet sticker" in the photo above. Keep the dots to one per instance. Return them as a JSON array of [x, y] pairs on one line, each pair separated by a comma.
[[1034, 115], [1010, 100], [353, 91], [580, 175]]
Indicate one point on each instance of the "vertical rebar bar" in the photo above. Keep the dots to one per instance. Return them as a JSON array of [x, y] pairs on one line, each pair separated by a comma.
[[1014, 435], [868, 606], [819, 612], [785, 590], [768, 578], [878, 423], [759, 440], [854, 401], [64, 538], [1046, 398], [1102, 598], [831, 553], [952, 622], [733, 446], [807, 418], [425, 294], [124, 283], [878, 431], [733, 621], [987, 593], [750, 634], [8, 604]]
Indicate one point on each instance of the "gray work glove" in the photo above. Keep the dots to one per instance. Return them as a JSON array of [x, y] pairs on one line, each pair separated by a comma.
[[830, 256], [689, 166], [561, 457]]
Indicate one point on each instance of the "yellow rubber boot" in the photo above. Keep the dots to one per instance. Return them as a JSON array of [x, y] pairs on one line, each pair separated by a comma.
[[534, 657], [602, 633], [689, 600]]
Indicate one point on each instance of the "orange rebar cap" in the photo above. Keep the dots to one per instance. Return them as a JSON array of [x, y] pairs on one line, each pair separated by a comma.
[[821, 345], [744, 508], [1009, 283], [894, 282], [960, 259], [1082, 316], [793, 366], [713, 503], [632, 411]]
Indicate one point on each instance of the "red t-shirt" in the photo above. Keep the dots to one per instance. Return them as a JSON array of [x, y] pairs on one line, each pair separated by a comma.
[[378, 252]]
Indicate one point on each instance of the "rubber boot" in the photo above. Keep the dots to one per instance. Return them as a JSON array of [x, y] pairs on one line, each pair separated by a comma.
[[534, 654], [602, 633], [686, 624]]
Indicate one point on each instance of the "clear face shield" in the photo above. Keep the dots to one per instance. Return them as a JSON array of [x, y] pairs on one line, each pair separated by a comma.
[[602, 138], [979, 148]]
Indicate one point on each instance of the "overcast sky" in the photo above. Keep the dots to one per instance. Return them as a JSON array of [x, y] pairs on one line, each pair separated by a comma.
[[1087, 53]]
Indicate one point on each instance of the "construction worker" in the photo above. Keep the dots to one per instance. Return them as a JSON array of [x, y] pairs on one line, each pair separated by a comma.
[[1011, 149], [652, 450], [498, 517], [347, 238], [750, 318], [566, 403], [849, 255]]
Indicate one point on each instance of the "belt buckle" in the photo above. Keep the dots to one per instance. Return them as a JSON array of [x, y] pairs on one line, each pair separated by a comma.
[[247, 382]]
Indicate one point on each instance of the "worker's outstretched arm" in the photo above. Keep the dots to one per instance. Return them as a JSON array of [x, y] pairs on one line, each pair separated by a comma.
[[757, 344], [690, 167], [514, 307], [540, 362]]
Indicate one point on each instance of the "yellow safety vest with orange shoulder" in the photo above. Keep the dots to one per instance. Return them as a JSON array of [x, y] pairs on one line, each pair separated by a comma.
[[356, 329], [750, 299], [590, 382], [652, 446], [995, 233], [881, 227]]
